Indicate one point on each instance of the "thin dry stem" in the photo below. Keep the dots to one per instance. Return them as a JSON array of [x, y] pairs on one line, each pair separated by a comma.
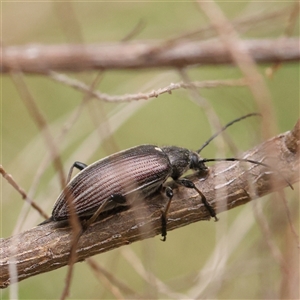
[[110, 286], [22, 192], [82, 87], [40, 121], [290, 27], [102, 273], [244, 60], [242, 24], [289, 217]]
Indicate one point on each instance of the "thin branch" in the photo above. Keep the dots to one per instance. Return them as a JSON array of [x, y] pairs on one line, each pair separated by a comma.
[[289, 217], [244, 60], [21, 191], [258, 21], [109, 278], [290, 27], [45, 248], [139, 55], [38, 117], [82, 87]]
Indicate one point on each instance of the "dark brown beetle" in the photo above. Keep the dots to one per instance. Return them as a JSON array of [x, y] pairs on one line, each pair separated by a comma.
[[117, 179]]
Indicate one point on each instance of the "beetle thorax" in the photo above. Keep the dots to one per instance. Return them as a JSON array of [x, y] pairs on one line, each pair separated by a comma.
[[180, 159]]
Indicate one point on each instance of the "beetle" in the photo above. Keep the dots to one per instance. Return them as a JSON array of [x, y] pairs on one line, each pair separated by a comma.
[[135, 173], [121, 178]]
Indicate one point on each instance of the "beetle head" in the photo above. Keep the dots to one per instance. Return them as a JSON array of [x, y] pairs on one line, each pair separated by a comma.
[[182, 160], [196, 162]]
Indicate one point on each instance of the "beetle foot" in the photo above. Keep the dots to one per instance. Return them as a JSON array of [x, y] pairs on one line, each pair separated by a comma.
[[163, 226]]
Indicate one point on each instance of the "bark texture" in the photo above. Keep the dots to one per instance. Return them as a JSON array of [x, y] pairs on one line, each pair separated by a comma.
[[36, 58]]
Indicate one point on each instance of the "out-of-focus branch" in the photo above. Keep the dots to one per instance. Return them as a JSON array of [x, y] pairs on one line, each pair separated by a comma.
[[37, 58], [47, 247], [76, 84]]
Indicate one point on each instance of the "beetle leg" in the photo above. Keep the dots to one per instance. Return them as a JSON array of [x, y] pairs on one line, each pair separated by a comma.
[[117, 198], [169, 194], [189, 184], [96, 214], [77, 164]]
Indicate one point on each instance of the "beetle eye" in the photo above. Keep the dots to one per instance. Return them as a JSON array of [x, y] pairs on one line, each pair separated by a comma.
[[194, 162]]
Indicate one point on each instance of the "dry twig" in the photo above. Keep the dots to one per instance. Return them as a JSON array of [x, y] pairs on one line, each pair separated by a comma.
[[139, 55], [45, 248]]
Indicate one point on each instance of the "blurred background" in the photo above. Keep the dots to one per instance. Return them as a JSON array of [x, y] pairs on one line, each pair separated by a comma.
[[231, 259]]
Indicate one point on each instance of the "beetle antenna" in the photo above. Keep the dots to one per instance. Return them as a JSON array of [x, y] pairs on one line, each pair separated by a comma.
[[247, 160], [222, 129]]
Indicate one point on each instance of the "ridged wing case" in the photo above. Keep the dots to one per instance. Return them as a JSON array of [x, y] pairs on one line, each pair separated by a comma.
[[142, 169]]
